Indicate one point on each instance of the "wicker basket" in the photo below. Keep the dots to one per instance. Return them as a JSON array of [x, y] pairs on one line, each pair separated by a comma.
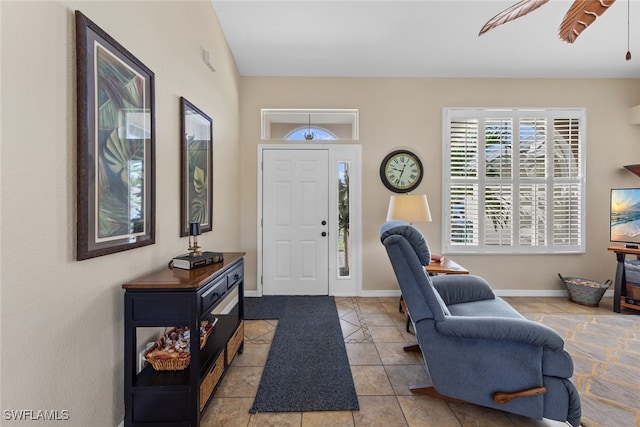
[[173, 362], [584, 291], [176, 361]]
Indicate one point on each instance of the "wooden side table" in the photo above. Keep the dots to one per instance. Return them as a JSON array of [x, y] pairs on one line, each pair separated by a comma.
[[446, 266], [620, 283]]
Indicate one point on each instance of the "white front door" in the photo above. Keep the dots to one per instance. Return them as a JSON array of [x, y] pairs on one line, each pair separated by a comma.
[[295, 222]]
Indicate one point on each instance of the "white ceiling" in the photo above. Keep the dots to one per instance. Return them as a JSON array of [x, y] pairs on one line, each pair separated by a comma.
[[422, 38]]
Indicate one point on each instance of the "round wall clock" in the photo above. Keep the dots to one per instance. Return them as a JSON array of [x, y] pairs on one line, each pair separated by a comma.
[[401, 171]]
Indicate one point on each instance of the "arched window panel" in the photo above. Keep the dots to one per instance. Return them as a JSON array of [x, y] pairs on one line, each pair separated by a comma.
[[309, 133]]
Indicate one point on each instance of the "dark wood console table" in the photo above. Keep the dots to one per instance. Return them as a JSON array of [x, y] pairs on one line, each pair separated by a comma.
[[620, 284], [172, 297]]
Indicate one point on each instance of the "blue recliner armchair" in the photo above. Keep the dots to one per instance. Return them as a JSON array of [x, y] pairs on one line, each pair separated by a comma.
[[476, 347]]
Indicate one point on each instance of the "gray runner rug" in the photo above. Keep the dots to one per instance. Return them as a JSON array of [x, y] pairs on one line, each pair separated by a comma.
[[307, 367]]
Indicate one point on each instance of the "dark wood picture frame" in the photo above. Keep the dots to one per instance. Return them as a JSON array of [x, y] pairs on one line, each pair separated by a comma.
[[196, 168], [115, 145]]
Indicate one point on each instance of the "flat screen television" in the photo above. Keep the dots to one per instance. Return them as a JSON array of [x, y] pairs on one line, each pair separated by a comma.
[[625, 216]]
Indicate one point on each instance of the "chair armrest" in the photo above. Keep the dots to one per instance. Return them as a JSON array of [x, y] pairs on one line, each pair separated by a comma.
[[501, 329], [458, 288]]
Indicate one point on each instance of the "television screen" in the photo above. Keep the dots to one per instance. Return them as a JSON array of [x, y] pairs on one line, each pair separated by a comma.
[[625, 215]]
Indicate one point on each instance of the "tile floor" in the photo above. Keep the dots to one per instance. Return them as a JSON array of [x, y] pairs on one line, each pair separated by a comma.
[[374, 332]]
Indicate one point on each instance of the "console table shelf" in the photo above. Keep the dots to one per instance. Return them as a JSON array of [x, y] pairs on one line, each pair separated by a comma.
[[626, 305], [171, 297]]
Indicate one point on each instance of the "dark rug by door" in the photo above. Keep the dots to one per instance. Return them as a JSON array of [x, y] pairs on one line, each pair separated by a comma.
[[307, 368], [267, 307]]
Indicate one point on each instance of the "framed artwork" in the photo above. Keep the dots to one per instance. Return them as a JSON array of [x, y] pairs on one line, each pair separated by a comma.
[[196, 168], [116, 145]]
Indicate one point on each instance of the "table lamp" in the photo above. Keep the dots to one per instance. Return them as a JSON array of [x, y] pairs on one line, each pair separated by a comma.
[[409, 208], [194, 230]]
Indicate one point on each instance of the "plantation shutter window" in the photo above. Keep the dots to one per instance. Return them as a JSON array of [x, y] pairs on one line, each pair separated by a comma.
[[513, 180]]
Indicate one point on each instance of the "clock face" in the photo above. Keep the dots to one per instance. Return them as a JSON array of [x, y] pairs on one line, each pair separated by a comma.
[[401, 171]]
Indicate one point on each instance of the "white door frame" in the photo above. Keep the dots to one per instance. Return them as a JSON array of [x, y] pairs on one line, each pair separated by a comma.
[[352, 153]]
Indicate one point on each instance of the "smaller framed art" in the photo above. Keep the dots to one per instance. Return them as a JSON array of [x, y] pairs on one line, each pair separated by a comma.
[[196, 168], [116, 145]]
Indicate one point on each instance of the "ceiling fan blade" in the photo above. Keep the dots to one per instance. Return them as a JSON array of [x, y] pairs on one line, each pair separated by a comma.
[[515, 11], [580, 15]]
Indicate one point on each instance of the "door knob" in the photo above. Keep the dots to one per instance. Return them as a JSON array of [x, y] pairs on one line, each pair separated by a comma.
[[324, 222], [324, 233]]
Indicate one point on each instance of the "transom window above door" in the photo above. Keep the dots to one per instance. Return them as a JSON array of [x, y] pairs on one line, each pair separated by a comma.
[[309, 124]]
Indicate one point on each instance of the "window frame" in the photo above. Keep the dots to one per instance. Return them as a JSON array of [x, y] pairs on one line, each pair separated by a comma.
[[327, 119], [551, 182]]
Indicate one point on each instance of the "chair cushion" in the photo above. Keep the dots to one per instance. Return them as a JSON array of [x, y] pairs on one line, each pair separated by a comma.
[[413, 236], [459, 288], [496, 307]]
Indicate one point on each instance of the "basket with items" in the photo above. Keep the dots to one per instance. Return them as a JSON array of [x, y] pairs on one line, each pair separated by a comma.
[[172, 352], [584, 291]]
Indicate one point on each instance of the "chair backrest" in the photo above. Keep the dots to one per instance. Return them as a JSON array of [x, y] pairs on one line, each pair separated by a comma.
[[409, 254]]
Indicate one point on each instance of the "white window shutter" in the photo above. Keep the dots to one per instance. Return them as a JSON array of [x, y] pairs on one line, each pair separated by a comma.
[[515, 180]]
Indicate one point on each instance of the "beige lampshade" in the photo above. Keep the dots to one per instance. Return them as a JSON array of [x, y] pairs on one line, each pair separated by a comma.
[[409, 208]]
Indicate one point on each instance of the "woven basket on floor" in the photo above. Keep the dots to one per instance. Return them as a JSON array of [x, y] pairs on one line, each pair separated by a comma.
[[584, 291]]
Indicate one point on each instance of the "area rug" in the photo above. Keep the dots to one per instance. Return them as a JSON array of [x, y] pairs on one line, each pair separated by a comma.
[[264, 308], [307, 368], [606, 355]]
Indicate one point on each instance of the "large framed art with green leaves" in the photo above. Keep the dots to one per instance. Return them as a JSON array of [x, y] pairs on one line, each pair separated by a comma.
[[115, 145], [196, 168]]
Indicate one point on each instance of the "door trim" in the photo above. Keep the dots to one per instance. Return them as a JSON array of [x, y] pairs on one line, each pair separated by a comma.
[[338, 286]]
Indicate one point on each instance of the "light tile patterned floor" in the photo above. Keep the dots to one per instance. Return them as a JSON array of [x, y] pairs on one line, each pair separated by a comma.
[[374, 332]]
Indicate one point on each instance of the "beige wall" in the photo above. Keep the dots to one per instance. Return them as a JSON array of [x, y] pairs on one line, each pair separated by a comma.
[[62, 327], [407, 113], [61, 320]]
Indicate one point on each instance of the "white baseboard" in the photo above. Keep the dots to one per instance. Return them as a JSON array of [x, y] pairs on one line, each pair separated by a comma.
[[251, 294], [536, 293], [529, 293]]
